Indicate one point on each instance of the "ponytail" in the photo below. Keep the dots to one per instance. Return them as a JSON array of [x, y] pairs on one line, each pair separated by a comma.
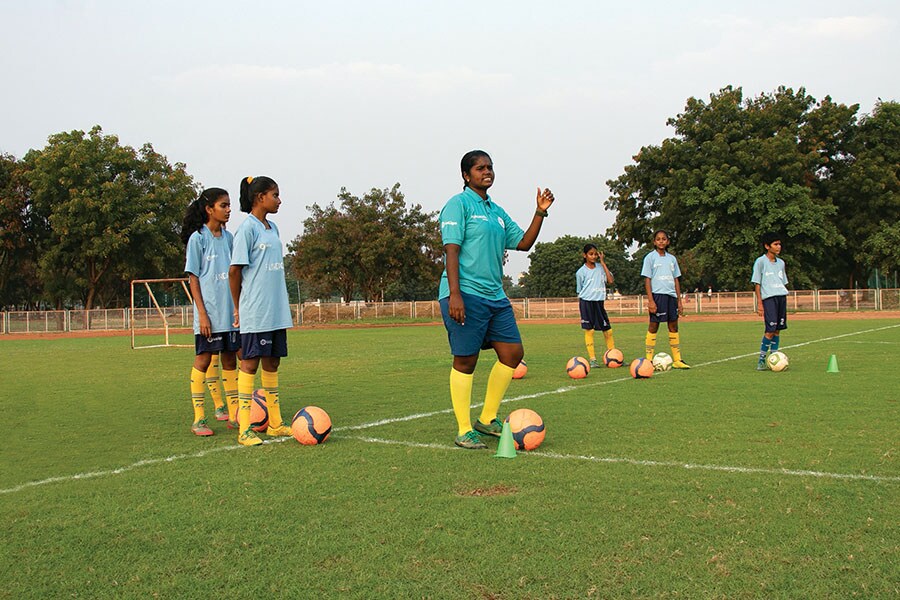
[[250, 187], [195, 217]]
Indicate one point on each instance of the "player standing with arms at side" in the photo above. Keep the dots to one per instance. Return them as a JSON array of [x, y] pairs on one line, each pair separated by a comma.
[[590, 285], [261, 307], [477, 314], [770, 279], [661, 272], [208, 258]]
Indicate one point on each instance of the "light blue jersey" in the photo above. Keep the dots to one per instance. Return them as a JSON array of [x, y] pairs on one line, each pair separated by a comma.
[[770, 276], [590, 284], [483, 231], [208, 257], [264, 300], [662, 271]]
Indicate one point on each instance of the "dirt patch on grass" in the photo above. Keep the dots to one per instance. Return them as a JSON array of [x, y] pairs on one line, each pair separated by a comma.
[[494, 490]]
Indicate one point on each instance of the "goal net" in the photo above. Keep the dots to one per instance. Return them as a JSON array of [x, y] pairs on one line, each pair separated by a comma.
[[157, 306]]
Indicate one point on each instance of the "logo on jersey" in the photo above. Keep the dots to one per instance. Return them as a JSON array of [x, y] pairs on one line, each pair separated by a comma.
[[263, 246], [502, 224], [448, 224]]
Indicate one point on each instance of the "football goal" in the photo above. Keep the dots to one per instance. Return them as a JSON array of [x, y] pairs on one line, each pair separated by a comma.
[[158, 305]]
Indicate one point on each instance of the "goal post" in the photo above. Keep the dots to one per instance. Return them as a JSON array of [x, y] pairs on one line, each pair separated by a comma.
[[154, 315]]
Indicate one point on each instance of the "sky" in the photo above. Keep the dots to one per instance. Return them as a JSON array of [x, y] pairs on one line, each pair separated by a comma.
[[365, 94]]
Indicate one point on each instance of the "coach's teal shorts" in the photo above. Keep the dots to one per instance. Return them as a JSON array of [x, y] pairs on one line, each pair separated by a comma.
[[487, 321]]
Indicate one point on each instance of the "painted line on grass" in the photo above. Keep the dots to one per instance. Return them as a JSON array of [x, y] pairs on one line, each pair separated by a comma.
[[651, 463], [413, 417]]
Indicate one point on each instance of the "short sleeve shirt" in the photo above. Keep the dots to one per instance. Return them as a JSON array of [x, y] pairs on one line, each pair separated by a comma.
[[590, 284], [264, 301], [662, 271], [208, 258], [770, 276], [483, 231]]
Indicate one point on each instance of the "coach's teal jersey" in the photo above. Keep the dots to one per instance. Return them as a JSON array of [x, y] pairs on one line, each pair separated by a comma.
[[590, 284], [662, 271], [208, 258], [264, 300], [483, 231], [770, 276]]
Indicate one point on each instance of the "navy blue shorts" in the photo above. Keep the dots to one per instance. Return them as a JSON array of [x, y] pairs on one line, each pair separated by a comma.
[[593, 315], [666, 308], [775, 313], [487, 321], [229, 341], [268, 343]]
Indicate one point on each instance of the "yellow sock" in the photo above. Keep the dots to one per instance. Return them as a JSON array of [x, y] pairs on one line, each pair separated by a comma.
[[212, 381], [230, 383], [270, 384], [589, 343], [245, 398], [197, 393], [649, 345], [461, 399], [675, 345], [610, 340], [497, 384]]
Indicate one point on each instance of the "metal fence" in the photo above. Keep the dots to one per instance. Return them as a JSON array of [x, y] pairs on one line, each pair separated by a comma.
[[315, 313]]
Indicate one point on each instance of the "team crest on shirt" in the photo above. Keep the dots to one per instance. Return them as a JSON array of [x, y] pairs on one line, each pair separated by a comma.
[[262, 246]]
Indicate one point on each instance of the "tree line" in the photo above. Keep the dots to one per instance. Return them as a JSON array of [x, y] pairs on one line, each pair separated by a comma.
[[84, 215]]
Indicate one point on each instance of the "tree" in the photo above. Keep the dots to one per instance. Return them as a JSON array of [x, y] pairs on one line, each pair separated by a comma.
[[733, 170], [19, 285], [376, 246], [551, 272], [112, 213], [866, 190]]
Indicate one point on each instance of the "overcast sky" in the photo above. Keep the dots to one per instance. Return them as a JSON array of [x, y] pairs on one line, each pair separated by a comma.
[[363, 94]]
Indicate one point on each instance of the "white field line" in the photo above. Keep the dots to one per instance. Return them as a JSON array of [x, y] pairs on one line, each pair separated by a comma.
[[178, 457], [649, 463]]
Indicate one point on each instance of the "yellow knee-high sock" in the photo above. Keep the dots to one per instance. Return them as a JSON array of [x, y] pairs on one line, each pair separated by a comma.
[[675, 345], [610, 340], [497, 384], [461, 399], [230, 383], [245, 398], [212, 381], [197, 393], [589, 343], [649, 345], [270, 384]]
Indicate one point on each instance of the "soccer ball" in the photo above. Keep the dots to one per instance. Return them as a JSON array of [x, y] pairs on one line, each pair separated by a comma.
[[777, 361], [527, 428], [520, 371], [311, 425], [259, 411], [578, 367], [613, 358], [662, 362], [641, 368]]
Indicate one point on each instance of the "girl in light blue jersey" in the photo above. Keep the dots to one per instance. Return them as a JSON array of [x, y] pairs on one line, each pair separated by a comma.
[[769, 280], [261, 307], [663, 288], [208, 258], [590, 285]]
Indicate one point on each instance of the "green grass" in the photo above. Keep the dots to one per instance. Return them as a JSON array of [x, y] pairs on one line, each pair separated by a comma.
[[629, 495]]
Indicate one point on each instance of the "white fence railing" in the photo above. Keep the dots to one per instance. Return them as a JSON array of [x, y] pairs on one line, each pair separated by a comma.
[[117, 319]]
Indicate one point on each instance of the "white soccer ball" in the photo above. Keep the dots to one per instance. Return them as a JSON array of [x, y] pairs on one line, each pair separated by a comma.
[[777, 361], [662, 362]]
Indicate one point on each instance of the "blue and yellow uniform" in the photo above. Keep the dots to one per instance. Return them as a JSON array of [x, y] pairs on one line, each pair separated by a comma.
[[263, 308]]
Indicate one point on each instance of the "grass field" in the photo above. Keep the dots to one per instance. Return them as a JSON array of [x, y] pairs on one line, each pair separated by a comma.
[[715, 482]]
